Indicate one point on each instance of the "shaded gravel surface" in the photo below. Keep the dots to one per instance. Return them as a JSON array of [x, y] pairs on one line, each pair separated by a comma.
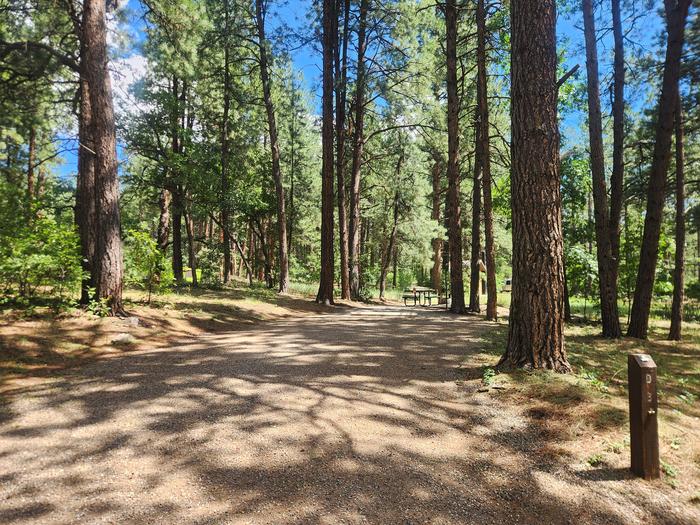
[[351, 417]]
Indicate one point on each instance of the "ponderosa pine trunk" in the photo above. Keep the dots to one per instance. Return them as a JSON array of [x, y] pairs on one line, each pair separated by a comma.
[[282, 245], [191, 252], [108, 265], [340, 59], [358, 146], [679, 270], [676, 15], [606, 276], [436, 271], [453, 194], [85, 212], [163, 233], [484, 150], [618, 162], [325, 288], [177, 209], [475, 267], [536, 321], [224, 197]]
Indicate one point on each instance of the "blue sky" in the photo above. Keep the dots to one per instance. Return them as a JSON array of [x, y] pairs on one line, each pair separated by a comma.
[[294, 13]]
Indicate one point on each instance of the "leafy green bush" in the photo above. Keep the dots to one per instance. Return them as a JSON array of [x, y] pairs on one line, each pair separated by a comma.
[[39, 257], [209, 260], [145, 263]]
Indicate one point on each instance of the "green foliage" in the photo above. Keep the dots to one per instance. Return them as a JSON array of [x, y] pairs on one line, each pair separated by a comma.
[[38, 258], [145, 263], [209, 261], [488, 377]]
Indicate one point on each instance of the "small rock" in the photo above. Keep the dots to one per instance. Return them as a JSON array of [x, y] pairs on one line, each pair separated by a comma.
[[123, 339]]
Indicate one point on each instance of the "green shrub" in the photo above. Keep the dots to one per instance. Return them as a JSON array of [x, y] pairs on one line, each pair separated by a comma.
[[39, 258], [145, 263], [209, 261]]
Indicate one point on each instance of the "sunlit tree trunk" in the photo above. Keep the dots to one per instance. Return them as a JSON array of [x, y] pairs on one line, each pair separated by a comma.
[[536, 321], [676, 14], [282, 246], [453, 194], [85, 213], [224, 204], [606, 280], [618, 163], [679, 270], [325, 289], [108, 248], [484, 154], [436, 271], [358, 146]]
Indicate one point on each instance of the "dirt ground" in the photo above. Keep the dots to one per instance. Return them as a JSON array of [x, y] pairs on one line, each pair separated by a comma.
[[372, 415]]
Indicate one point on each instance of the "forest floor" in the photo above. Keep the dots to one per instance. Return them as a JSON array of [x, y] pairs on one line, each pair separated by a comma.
[[228, 407]]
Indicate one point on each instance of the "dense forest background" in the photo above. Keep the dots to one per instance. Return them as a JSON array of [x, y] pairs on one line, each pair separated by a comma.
[[219, 125]]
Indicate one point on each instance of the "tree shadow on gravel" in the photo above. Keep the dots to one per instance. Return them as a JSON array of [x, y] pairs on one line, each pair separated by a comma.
[[348, 418]]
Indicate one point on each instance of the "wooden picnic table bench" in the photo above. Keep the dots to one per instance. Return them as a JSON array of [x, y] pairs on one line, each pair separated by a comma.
[[420, 295]]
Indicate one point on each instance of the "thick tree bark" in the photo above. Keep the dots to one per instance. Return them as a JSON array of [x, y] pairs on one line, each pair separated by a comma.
[[325, 289], [535, 334], [340, 59], [436, 271], [567, 302], [475, 258], [358, 145], [453, 194], [282, 246], [108, 250], [484, 154], [163, 234], [177, 209], [679, 270], [606, 276], [191, 252], [676, 14], [225, 208], [618, 165], [85, 212]]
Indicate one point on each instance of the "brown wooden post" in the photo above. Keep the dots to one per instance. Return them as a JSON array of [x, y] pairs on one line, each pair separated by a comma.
[[644, 437]]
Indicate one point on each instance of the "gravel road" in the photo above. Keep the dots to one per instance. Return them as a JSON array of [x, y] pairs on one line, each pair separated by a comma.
[[350, 417]]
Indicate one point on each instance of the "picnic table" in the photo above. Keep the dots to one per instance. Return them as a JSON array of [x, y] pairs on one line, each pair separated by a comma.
[[420, 294]]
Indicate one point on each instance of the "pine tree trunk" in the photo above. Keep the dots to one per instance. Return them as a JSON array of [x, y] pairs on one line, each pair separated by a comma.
[[453, 194], [225, 210], [475, 267], [536, 321], [85, 212], [484, 153], [325, 289], [679, 270], [177, 235], [108, 249], [618, 166], [358, 145], [163, 235], [340, 60], [191, 253], [675, 23], [606, 279], [282, 246], [436, 271]]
